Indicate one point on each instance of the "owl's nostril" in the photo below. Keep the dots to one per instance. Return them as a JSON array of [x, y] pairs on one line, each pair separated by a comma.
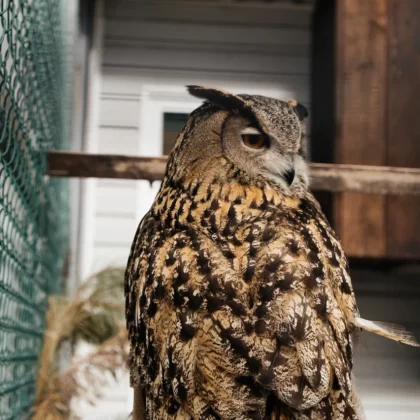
[[289, 176]]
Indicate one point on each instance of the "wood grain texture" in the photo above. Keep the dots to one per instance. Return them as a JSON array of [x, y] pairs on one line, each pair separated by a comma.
[[361, 119], [404, 122], [324, 177], [83, 165]]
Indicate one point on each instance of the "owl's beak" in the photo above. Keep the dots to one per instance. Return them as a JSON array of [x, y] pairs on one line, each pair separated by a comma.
[[289, 176]]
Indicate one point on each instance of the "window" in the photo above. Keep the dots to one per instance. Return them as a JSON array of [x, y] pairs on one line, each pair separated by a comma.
[[173, 123]]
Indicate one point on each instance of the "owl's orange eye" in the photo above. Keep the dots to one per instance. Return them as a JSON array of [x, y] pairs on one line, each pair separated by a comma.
[[254, 141]]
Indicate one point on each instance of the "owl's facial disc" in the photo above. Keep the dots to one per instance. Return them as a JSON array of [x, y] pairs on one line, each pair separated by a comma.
[[259, 155]]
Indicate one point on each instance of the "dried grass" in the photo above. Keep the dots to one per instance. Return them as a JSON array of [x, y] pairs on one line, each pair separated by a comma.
[[95, 314]]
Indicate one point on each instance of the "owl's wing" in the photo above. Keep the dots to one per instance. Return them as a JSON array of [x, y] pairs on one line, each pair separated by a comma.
[[184, 305], [305, 307]]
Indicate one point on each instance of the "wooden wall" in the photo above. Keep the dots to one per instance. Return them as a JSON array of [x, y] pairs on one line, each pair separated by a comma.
[[377, 122]]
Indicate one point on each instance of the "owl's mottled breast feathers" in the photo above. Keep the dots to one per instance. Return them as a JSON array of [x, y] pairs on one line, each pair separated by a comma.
[[239, 305]]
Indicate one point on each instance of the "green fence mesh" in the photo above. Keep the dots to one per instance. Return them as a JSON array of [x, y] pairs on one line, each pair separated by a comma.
[[33, 209]]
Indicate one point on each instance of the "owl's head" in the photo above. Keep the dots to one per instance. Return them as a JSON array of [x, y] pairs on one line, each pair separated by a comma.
[[261, 136]]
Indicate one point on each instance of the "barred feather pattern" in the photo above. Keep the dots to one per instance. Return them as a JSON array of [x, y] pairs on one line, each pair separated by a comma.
[[239, 306]]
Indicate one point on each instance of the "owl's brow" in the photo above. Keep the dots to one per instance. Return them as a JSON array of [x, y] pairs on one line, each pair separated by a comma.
[[251, 129]]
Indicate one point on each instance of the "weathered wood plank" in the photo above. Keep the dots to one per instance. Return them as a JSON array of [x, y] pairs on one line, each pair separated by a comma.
[[324, 177], [362, 41], [381, 180], [404, 122], [83, 165]]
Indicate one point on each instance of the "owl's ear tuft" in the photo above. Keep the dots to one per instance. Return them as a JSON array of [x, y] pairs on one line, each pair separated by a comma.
[[217, 96], [300, 110]]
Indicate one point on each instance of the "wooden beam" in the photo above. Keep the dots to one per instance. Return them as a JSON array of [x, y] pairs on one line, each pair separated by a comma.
[[324, 177], [382, 180], [83, 165]]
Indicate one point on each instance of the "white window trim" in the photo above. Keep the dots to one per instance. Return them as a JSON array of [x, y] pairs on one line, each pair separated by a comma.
[[155, 101], [87, 199]]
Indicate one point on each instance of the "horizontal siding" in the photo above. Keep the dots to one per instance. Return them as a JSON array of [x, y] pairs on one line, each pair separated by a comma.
[[123, 81], [388, 373], [126, 137], [210, 35], [115, 199], [205, 61], [253, 44], [110, 256], [256, 49], [120, 110], [263, 15], [118, 206], [114, 231]]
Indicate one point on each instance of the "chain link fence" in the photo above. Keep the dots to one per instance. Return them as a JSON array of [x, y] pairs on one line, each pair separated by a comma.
[[34, 104]]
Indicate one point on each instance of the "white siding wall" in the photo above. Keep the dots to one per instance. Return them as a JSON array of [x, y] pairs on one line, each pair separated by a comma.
[[388, 373], [151, 51]]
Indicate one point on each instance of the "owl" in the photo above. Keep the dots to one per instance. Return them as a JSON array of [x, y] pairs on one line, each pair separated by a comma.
[[239, 302]]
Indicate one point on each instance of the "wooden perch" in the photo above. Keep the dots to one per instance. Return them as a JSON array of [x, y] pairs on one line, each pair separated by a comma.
[[83, 165], [324, 177]]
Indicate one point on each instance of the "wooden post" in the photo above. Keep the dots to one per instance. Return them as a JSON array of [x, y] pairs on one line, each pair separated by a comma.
[[378, 67], [361, 76]]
